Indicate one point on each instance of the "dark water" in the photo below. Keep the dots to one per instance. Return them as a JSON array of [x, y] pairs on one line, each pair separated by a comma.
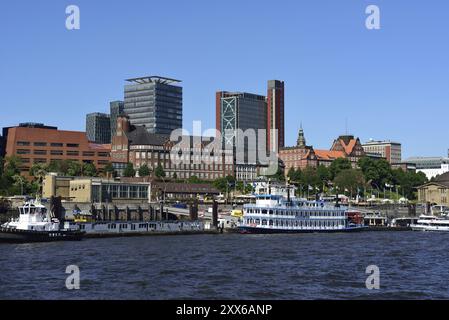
[[305, 266]]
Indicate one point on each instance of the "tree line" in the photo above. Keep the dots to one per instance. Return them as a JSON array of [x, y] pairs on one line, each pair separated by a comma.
[[371, 175]]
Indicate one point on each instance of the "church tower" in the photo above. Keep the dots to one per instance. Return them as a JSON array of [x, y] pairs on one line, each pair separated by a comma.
[[301, 142]]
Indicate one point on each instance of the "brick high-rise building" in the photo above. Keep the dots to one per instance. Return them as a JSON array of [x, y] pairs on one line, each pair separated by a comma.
[[275, 115], [37, 143]]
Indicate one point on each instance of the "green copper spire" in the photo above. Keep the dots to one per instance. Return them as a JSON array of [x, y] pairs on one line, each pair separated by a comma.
[[301, 139]]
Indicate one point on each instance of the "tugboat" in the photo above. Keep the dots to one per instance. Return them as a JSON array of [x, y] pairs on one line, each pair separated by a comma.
[[35, 224]]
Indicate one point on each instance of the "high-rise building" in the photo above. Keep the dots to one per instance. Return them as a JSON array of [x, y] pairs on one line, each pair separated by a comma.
[[239, 110], [37, 143], [117, 109], [154, 102], [244, 111], [275, 115], [98, 127], [392, 151]]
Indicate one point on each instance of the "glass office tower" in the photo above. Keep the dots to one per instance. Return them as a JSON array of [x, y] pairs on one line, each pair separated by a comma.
[[154, 102], [98, 128]]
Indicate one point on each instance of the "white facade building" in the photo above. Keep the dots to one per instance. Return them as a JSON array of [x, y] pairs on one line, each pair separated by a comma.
[[430, 166], [392, 151]]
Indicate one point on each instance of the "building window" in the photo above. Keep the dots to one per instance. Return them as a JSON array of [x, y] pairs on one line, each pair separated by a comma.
[[72, 145], [23, 143], [58, 145], [23, 151], [73, 153], [56, 152], [40, 144], [88, 154], [103, 154], [40, 152]]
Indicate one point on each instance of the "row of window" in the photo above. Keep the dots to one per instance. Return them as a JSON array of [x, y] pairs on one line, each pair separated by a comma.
[[61, 153], [297, 224], [45, 144], [296, 213]]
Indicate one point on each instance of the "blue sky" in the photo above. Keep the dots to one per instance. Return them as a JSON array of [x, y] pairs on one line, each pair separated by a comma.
[[391, 83]]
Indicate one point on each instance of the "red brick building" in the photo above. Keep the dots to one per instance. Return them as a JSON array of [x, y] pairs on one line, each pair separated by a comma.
[[302, 156], [36, 143], [135, 145]]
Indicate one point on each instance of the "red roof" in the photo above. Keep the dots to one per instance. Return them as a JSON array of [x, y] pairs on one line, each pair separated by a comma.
[[329, 155]]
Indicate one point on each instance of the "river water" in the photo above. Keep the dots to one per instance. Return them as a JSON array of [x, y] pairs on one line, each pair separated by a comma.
[[412, 265]]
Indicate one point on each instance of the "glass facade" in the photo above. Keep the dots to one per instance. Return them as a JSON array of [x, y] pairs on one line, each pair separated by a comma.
[[155, 105], [98, 128], [117, 109], [243, 111], [109, 192]]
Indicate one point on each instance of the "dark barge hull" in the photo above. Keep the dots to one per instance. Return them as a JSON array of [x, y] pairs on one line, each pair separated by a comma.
[[26, 236]]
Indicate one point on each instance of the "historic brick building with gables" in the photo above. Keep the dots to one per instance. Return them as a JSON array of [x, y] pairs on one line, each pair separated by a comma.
[[302, 155], [136, 145]]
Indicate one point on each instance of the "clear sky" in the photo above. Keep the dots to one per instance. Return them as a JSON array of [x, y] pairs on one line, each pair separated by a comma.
[[391, 83]]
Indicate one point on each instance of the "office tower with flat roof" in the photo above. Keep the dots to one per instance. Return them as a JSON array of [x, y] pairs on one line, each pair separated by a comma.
[[391, 151], [244, 111], [98, 128], [275, 115], [239, 110], [117, 109], [154, 102]]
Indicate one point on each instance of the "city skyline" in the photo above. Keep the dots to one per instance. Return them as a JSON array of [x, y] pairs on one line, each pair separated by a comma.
[[387, 84]]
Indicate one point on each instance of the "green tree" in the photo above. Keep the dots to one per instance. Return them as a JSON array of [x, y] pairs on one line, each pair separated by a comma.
[[12, 166], [194, 179], [248, 189], [129, 170], [309, 178], [324, 176], [144, 171], [294, 175], [74, 169], [109, 170], [2, 163], [407, 182], [376, 172], [350, 180], [159, 172], [278, 176], [38, 171], [20, 183], [224, 184], [338, 165], [89, 170]]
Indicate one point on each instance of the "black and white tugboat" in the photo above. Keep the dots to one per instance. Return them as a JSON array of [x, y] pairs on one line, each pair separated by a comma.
[[35, 224]]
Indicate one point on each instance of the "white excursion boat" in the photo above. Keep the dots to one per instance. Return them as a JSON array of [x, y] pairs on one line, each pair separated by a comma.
[[35, 224], [432, 223], [276, 214]]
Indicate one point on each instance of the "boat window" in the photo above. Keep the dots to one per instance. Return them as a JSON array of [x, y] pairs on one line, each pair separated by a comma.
[[264, 211], [271, 211]]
